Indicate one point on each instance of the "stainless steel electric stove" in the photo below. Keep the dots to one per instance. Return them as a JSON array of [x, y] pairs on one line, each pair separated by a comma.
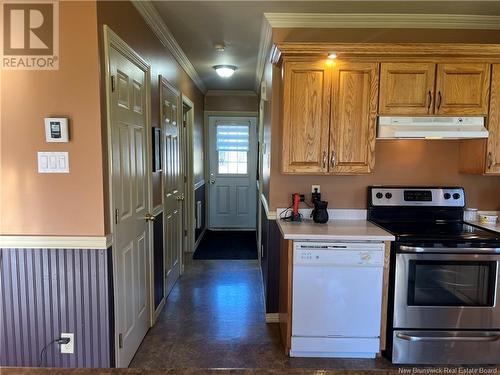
[[444, 297]]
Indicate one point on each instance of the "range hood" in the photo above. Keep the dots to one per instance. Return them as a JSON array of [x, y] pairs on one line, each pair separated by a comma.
[[392, 127]]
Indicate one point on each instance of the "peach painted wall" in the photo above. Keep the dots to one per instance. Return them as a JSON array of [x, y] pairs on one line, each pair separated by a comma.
[[398, 162], [55, 204]]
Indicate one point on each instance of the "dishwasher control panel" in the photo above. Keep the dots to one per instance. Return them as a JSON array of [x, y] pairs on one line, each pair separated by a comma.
[[346, 254]]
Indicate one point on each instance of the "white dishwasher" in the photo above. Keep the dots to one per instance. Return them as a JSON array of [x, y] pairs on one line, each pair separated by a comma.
[[336, 299]]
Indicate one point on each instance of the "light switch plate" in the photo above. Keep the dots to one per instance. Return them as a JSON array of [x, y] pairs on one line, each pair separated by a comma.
[[53, 162]]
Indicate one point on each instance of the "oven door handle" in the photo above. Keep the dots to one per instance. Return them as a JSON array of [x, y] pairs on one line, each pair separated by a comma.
[[488, 338], [475, 250]]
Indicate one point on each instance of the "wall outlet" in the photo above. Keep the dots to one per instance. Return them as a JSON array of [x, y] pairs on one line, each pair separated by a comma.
[[314, 187], [68, 348]]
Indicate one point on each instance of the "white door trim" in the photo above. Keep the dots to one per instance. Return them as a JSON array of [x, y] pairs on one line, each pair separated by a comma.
[[189, 186], [111, 39]]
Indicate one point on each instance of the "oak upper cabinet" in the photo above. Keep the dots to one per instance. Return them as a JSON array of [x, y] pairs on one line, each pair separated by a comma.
[[407, 88], [423, 88], [353, 119], [482, 156], [462, 89], [492, 154], [306, 116]]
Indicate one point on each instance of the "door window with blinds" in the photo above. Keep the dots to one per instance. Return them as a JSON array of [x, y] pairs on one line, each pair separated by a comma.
[[233, 143]]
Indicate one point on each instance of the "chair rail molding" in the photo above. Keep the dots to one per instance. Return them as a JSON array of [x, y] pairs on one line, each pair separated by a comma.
[[156, 23], [271, 215], [383, 20], [56, 242]]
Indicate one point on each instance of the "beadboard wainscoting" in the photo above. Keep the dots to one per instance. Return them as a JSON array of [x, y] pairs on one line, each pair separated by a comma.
[[270, 254], [46, 292]]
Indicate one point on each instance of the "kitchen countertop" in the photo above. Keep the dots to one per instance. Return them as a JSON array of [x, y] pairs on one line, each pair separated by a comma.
[[494, 227], [337, 230]]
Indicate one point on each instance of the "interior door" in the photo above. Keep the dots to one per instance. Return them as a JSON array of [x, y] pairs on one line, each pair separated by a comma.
[[173, 181], [462, 89], [130, 191], [306, 116], [233, 169], [407, 88], [354, 113]]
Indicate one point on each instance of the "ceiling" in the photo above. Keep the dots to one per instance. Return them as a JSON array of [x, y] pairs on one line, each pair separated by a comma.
[[198, 25]]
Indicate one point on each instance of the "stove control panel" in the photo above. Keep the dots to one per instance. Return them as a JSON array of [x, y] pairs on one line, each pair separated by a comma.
[[418, 196]]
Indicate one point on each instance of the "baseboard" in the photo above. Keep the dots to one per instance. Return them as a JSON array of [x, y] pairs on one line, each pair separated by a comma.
[[272, 317]]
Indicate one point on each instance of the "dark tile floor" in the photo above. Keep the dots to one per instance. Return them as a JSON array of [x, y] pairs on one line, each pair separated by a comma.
[[214, 318], [214, 324]]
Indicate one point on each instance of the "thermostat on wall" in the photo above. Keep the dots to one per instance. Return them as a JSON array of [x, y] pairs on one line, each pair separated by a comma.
[[56, 129]]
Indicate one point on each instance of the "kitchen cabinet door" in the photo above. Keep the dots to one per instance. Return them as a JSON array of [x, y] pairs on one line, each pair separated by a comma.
[[493, 144], [462, 89], [407, 88], [354, 113], [306, 116], [482, 156]]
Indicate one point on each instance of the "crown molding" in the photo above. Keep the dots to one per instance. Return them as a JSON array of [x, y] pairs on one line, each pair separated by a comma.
[[382, 21], [230, 93], [466, 50], [156, 23], [265, 43]]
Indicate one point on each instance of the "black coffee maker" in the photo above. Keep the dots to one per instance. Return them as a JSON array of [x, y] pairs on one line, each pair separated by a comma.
[[320, 212]]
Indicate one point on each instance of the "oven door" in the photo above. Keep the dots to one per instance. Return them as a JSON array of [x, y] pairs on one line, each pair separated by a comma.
[[447, 291]]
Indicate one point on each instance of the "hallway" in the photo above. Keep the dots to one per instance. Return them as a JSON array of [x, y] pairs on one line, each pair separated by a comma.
[[214, 318]]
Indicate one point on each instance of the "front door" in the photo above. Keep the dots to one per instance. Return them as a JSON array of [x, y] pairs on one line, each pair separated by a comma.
[[173, 181], [130, 200], [233, 169]]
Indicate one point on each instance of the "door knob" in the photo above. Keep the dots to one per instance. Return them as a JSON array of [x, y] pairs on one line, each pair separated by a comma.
[[212, 178], [180, 197], [149, 217]]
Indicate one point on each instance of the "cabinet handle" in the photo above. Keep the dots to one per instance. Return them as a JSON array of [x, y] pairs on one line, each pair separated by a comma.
[[333, 159], [439, 100], [429, 98], [325, 159], [490, 160]]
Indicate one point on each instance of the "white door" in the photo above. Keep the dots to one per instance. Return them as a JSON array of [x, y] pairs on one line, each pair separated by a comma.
[[173, 181], [233, 168], [130, 192]]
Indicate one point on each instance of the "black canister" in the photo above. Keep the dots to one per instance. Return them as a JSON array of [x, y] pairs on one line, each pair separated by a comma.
[[320, 212]]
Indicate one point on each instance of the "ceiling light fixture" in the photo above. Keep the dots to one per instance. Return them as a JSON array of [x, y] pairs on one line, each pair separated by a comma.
[[332, 55], [225, 71]]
